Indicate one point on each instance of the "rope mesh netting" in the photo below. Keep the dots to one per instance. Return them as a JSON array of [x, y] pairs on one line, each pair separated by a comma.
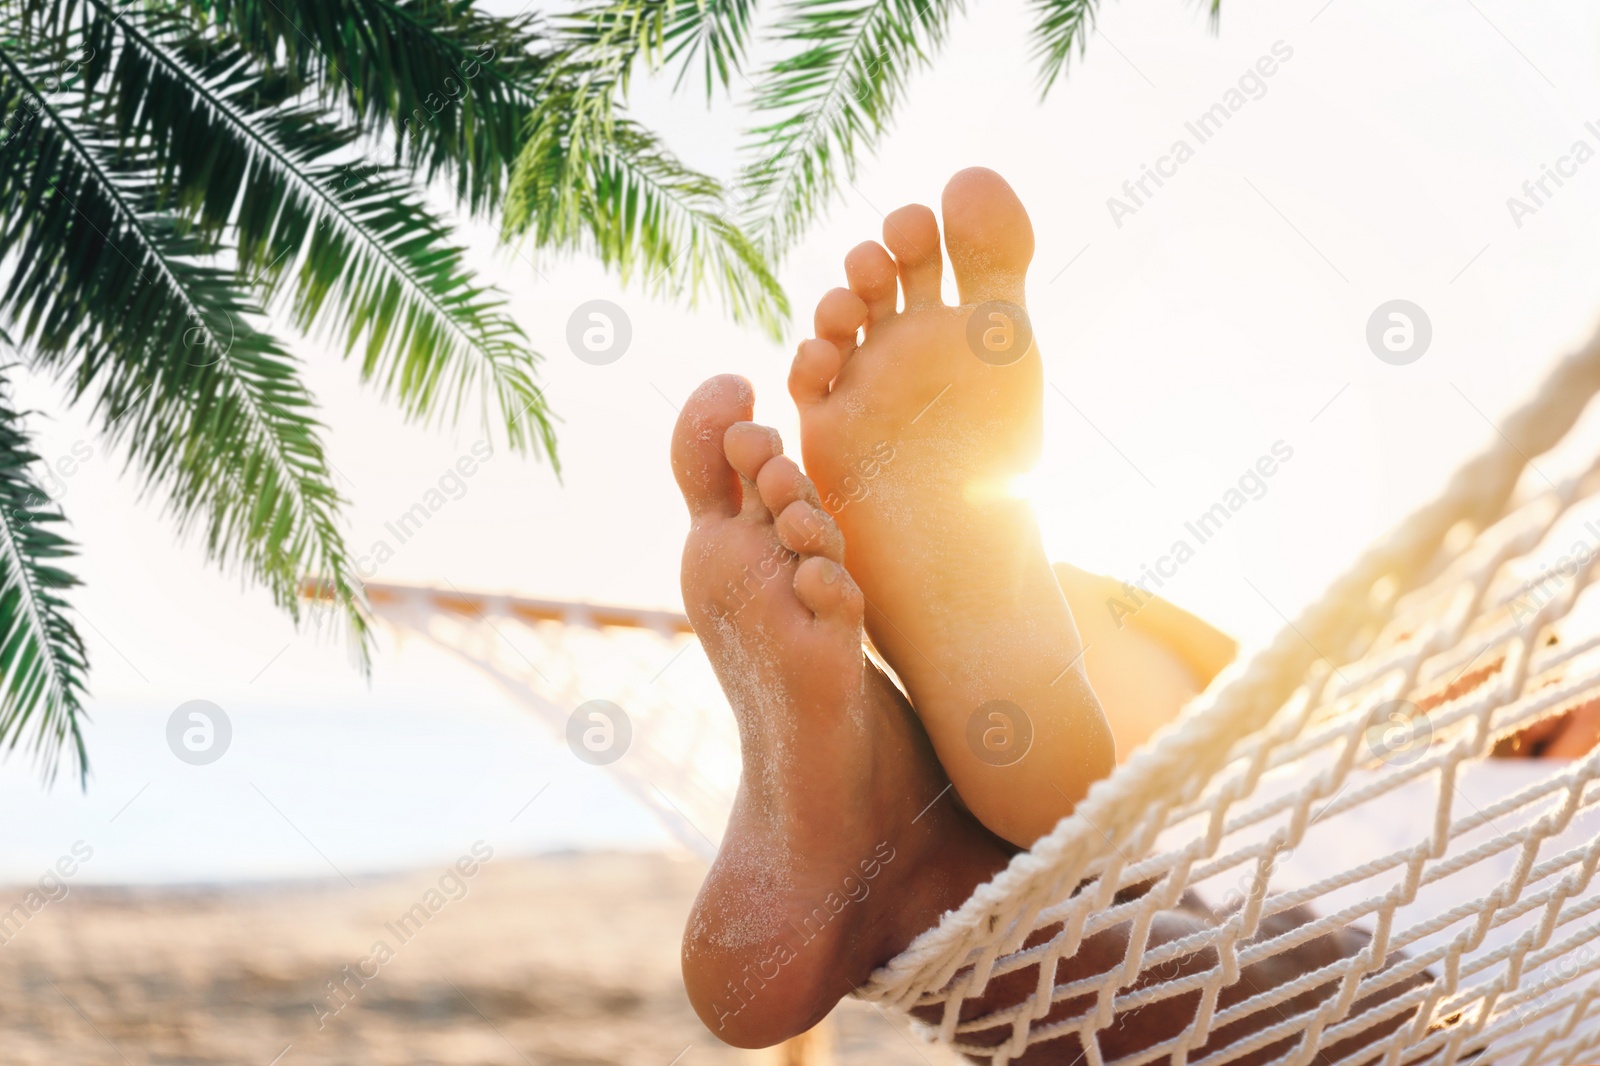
[[1343, 779], [678, 751]]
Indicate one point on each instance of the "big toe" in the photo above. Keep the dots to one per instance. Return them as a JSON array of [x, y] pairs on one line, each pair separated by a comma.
[[708, 481], [989, 236]]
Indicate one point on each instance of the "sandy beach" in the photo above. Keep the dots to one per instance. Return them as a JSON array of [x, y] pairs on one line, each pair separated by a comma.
[[568, 960]]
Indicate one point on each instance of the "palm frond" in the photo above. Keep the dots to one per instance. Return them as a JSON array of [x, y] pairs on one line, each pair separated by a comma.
[[438, 76], [718, 31], [42, 657], [591, 180], [116, 295], [344, 47], [830, 99], [1060, 29], [347, 249], [615, 33]]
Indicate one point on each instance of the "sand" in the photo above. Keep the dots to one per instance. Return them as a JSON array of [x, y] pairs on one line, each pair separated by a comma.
[[559, 961]]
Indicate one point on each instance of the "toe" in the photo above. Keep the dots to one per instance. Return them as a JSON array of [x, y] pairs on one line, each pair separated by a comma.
[[872, 277], [827, 589], [806, 529], [913, 236], [815, 366], [840, 313], [781, 483], [989, 237], [749, 445], [709, 484]]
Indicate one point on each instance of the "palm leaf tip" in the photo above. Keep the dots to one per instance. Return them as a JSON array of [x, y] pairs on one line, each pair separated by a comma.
[[43, 662], [589, 179], [832, 97], [1061, 30]]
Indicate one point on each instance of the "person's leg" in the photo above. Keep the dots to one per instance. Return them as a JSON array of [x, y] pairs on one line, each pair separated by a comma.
[[1144, 664], [844, 843]]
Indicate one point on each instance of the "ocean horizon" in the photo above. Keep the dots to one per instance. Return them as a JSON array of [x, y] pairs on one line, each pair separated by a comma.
[[311, 793]]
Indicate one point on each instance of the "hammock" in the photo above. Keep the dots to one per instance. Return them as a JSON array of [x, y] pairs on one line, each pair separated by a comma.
[[551, 657], [1465, 627]]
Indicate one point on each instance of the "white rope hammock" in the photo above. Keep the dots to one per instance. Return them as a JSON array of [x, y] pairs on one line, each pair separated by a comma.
[[552, 656], [1467, 623]]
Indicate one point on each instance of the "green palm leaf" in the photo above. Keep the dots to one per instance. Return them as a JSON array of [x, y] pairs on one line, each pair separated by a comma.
[[1060, 28], [438, 76], [42, 659], [593, 181], [347, 249], [209, 408], [590, 178], [611, 35], [831, 97], [540, 90]]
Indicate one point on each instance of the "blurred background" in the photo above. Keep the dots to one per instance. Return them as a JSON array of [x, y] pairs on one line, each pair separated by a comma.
[[1186, 332]]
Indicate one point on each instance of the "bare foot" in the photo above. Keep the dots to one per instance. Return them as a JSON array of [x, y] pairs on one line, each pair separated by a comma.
[[842, 845], [912, 436]]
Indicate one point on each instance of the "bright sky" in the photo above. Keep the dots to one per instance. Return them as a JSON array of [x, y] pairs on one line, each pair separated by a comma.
[[1182, 342]]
